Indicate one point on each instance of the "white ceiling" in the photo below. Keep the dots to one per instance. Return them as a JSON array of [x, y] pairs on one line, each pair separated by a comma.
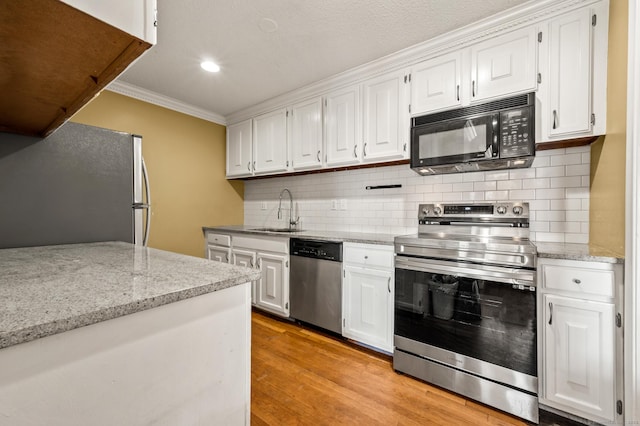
[[311, 40]]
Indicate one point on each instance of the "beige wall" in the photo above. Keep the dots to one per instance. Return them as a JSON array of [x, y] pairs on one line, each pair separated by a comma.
[[608, 153], [186, 161]]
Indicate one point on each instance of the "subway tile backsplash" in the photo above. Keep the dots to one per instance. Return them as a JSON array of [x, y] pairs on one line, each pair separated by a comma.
[[556, 186]]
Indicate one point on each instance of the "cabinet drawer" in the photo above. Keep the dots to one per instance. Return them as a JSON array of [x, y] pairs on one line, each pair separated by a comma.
[[371, 255], [579, 277], [272, 244], [219, 239]]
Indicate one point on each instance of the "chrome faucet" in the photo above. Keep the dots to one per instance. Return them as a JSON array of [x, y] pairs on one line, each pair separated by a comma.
[[292, 223]]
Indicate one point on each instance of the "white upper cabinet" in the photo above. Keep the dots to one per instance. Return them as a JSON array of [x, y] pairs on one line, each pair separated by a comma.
[[498, 67], [573, 58], [364, 115], [239, 146], [570, 66], [504, 65], [386, 117], [435, 83], [305, 126], [343, 126], [136, 17], [270, 142]]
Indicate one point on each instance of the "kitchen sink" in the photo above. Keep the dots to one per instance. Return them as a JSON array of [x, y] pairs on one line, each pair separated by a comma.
[[276, 230]]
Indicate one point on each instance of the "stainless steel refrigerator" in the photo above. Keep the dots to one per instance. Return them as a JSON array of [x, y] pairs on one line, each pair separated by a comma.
[[81, 184]]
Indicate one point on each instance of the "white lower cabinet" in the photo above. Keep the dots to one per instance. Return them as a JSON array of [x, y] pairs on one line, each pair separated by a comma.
[[268, 254], [580, 342], [246, 258], [217, 247], [272, 292], [367, 295]]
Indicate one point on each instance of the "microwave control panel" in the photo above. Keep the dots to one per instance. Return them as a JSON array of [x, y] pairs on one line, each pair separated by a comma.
[[516, 132]]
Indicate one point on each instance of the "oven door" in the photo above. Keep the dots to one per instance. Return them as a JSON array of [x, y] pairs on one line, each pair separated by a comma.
[[455, 140], [476, 318]]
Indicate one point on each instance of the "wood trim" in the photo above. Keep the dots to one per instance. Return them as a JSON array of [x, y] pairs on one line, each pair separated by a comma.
[[56, 59], [325, 170], [568, 143], [115, 68]]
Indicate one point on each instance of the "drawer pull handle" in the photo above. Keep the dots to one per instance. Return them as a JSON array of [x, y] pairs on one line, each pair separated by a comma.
[[577, 281], [389, 284], [550, 313]]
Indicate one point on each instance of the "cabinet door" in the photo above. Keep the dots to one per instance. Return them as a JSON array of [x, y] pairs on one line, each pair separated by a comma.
[[273, 287], [569, 106], [246, 258], [270, 142], [306, 134], [218, 253], [368, 307], [504, 65], [435, 83], [239, 143], [386, 118], [579, 357], [343, 126]]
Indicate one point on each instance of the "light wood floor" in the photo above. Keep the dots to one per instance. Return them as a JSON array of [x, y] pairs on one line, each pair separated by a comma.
[[300, 376]]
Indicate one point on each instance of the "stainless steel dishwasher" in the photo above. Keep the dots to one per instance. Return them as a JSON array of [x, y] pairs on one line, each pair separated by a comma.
[[315, 283]]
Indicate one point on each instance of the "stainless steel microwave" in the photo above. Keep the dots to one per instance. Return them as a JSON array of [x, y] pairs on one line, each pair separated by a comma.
[[494, 135]]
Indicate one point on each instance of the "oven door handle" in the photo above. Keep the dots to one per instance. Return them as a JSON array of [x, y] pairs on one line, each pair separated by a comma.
[[522, 277]]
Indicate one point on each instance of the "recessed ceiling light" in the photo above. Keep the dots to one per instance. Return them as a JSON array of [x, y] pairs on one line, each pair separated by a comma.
[[210, 66]]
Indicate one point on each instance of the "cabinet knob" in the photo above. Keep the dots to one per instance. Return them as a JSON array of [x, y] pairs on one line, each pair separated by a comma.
[[366, 257], [577, 281]]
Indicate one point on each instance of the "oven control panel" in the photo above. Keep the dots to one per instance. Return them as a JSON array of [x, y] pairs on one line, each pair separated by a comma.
[[507, 212]]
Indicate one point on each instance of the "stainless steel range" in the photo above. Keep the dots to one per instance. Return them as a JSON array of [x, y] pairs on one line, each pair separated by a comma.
[[465, 304]]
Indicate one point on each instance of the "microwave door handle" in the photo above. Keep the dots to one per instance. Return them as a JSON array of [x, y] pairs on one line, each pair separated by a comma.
[[495, 122]]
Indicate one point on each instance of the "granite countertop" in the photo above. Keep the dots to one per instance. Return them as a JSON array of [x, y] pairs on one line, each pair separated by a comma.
[[352, 237], [52, 289], [584, 252]]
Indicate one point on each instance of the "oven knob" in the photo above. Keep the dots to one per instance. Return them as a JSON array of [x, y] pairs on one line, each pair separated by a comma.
[[437, 211], [425, 212], [517, 210], [501, 210]]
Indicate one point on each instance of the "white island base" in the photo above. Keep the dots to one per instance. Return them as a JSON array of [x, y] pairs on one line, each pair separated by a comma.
[[184, 363]]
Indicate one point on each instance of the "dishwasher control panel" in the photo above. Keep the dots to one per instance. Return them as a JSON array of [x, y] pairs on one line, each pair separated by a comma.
[[317, 249]]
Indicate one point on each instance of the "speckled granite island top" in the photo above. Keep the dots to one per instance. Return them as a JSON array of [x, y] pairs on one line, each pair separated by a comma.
[[52, 289], [352, 237]]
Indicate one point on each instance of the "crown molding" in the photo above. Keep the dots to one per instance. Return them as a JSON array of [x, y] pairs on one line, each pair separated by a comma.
[[521, 16], [141, 94]]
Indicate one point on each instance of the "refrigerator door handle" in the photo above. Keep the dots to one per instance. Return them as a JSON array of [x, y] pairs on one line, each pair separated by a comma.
[[147, 229]]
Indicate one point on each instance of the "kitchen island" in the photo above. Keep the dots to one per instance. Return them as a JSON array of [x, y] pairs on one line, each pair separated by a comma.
[[112, 333]]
